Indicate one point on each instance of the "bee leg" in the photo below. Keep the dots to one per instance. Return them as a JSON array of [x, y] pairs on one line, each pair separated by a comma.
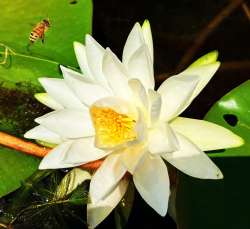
[[28, 46], [43, 38]]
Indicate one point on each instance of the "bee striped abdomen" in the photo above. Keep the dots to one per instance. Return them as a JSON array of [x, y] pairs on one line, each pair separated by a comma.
[[33, 37]]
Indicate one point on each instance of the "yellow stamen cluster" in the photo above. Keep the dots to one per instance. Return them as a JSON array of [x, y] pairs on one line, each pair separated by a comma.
[[112, 128]]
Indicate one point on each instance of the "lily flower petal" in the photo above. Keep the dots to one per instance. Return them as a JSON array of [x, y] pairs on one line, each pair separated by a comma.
[[162, 139], [95, 53], [97, 212], [82, 151], [48, 101], [140, 94], [204, 73], [155, 103], [175, 93], [116, 75], [55, 87], [80, 52], [84, 88], [206, 135], [43, 134], [192, 161], [77, 123], [147, 34], [134, 41], [106, 178], [53, 160], [152, 182], [140, 66], [141, 128], [131, 157], [209, 58]]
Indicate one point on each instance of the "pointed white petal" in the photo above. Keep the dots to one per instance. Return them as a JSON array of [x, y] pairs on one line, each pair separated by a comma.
[[140, 66], [53, 160], [43, 134], [68, 123], [162, 139], [155, 103], [48, 101], [134, 41], [191, 160], [116, 75], [152, 182], [147, 34], [206, 135], [208, 58], [132, 156], [82, 151], [95, 53], [140, 94], [204, 73], [87, 91], [59, 91], [106, 178], [141, 128], [97, 212], [80, 52], [176, 93]]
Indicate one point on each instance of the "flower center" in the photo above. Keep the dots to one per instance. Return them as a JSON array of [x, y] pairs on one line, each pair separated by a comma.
[[112, 128]]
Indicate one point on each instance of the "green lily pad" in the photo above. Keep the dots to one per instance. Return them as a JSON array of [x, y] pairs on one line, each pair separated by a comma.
[[69, 23], [15, 167], [232, 112], [223, 203], [22, 72], [21, 65]]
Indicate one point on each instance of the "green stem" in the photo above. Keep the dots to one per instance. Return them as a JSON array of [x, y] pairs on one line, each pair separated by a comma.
[[13, 53]]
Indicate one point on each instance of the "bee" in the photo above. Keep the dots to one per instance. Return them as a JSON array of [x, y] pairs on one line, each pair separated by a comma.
[[38, 32]]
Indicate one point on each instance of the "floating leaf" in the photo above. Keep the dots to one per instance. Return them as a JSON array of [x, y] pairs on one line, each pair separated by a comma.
[[232, 111], [69, 23], [24, 70], [15, 167]]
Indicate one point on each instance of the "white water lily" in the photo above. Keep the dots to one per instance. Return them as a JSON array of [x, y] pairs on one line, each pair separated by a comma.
[[112, 111]]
